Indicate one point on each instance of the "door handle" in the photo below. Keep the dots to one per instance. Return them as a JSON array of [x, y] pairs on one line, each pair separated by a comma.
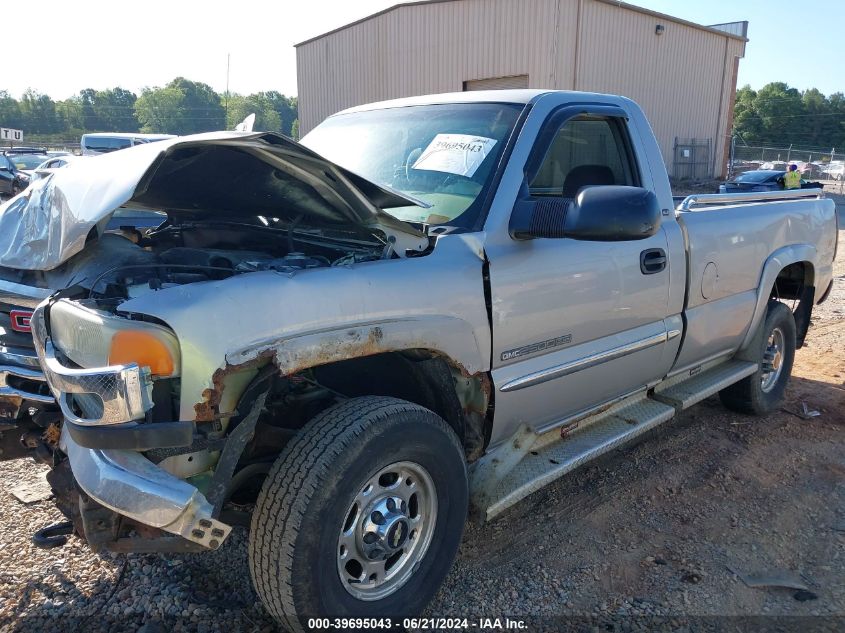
[[652, 260]]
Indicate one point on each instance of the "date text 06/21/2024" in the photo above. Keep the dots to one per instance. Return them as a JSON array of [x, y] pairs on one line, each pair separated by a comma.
[[482, 624]]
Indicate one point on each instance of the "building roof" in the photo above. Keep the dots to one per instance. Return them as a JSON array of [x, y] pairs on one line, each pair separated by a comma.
[[615, 3]]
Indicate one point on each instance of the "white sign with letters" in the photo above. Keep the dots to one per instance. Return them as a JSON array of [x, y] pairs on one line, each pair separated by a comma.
[[460, 154], [8, 134]]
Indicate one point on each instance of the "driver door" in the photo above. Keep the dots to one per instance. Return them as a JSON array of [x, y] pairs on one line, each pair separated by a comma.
[[576, 324]]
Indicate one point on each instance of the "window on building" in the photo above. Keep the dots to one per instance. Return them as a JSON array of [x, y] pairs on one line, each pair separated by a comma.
[[587, 150]]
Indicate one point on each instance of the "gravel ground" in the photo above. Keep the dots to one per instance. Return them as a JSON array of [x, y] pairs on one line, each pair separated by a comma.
[[663, 528]]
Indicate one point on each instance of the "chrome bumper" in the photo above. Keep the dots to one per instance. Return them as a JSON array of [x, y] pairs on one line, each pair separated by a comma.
[[123, 393], [7, 391], [26, 368], [126, 391], [131, 485]]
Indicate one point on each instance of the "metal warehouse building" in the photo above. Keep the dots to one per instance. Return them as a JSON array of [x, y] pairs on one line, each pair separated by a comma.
[[683, 74]]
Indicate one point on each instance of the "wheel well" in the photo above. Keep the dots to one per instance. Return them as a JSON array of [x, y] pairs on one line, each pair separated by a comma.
[[792, 280], [797, 282], [419, 376]]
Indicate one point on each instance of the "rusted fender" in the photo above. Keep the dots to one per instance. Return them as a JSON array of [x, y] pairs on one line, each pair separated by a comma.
[[449, 336]]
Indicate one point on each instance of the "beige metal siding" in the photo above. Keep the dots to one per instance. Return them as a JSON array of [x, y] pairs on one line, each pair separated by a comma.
[[431, 48], [683, 78], [677, 77]]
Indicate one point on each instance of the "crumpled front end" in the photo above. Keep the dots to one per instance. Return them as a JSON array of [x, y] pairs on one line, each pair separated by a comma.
[[107, 427]]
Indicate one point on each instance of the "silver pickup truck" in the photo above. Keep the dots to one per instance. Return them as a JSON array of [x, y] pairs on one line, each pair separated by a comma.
[[429, 307]]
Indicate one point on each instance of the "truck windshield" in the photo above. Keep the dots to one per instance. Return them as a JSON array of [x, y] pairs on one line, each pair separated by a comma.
[[444, 155]]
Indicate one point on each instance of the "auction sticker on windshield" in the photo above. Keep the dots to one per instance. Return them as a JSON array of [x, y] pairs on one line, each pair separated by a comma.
[[460, 154]]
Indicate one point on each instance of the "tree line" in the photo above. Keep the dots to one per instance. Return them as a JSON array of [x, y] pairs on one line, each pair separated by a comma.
[[782, 116], [180, 107]]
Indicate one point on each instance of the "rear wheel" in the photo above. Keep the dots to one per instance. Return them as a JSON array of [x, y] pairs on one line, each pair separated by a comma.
[[763, 391], [361, 516]]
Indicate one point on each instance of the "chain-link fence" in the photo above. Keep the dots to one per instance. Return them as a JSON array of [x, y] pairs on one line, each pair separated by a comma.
[[50, 143], [814, 163]]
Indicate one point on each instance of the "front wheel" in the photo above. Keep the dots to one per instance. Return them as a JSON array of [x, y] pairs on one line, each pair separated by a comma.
[[762, 392], [361, 516]]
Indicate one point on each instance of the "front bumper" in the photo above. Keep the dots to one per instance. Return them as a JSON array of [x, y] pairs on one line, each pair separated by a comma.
[[131, 485], [18, 380], [123, 392], [113, 401]]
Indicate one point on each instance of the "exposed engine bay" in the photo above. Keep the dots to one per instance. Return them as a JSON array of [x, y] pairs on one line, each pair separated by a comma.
[[126, 262]]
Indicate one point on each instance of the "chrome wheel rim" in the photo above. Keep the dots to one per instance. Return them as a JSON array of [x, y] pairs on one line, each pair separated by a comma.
[[773, 360], [386, 531]]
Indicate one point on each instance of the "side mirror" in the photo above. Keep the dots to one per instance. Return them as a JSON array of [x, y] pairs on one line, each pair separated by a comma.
[[608, 213]]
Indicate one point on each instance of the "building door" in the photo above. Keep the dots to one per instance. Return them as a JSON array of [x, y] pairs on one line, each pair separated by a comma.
[[497, 83]]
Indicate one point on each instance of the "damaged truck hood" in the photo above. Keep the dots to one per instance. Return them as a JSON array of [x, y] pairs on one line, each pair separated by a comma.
[[204, 176]]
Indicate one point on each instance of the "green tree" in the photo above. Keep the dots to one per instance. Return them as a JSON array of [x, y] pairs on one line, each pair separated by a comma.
[[781, 110], [181, 107], [87, 103], [115, 109], [70, 115], [286, 107], [160, 110], [10, 111], [39, 113], [836, 104], [747, 123], [266, 117], [294, 130]]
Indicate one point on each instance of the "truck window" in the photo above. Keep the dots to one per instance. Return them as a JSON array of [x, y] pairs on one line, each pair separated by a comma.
[[587, 150]]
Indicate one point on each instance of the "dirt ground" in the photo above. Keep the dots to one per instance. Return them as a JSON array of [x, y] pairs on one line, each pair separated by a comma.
[[665, 528]]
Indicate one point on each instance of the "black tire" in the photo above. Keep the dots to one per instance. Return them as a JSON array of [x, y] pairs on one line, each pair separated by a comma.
[[748, 395], [305, 500]]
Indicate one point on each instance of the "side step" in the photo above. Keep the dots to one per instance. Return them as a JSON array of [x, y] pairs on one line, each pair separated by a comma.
[[551, 456], [684, 390], [531, 461]]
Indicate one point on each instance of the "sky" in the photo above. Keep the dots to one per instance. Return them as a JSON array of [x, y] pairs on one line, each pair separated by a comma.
[[102, 43]]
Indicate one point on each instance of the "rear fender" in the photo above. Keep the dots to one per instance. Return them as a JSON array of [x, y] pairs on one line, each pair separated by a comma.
[[775, 263]]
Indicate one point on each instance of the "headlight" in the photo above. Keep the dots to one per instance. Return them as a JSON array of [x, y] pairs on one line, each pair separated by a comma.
[[91, 338]]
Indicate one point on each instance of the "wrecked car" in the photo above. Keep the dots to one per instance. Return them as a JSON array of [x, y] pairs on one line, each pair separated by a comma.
[[429, 307]]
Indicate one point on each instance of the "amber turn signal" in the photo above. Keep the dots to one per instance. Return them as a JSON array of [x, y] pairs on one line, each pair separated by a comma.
[[133, 346]]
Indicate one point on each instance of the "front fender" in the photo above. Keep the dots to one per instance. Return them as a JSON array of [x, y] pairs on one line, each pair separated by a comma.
[[446, 335]]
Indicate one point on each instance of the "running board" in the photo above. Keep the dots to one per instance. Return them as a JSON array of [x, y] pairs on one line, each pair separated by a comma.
[[684, 391], [530, 461], [553, 454]]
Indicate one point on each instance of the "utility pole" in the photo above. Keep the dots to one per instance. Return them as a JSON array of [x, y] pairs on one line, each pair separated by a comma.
[[732, 158], [228, 59]]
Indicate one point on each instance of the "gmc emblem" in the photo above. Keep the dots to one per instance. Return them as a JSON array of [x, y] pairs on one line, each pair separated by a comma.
[[21, 320]]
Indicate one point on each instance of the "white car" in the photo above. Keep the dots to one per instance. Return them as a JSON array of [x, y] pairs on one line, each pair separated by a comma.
[[52, 164]]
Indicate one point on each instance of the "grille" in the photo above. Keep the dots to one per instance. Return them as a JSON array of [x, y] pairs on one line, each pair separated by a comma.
[[10, 338]]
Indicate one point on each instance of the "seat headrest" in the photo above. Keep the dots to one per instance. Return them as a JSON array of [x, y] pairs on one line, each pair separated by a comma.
[[585, 175]]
